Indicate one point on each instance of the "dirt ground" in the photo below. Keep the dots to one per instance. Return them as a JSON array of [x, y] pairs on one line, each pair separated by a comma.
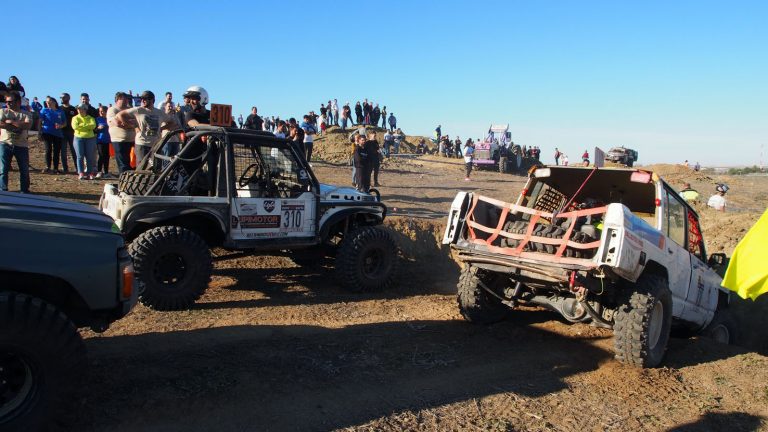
[[272, 346]]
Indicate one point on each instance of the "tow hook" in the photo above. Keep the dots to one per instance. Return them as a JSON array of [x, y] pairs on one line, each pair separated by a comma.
[[575, 287]]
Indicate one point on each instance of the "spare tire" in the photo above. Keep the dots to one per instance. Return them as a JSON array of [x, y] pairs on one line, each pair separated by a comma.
[[136, 182]]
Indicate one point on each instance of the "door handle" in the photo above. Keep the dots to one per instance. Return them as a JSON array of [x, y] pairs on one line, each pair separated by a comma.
[[670, 251]]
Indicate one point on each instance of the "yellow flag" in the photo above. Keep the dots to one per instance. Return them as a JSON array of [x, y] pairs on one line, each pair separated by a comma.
[[747, 272]]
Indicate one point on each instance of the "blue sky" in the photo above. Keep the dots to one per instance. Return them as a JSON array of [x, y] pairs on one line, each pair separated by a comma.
[[674, 80]]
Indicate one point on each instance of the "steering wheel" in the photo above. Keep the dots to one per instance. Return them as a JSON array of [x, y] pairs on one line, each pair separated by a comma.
[[245, 178]]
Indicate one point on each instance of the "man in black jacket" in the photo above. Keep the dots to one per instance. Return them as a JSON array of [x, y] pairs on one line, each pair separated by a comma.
[[254, 121]]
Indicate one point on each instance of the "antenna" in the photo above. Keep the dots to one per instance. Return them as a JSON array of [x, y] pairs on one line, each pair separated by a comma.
[[761, 157]]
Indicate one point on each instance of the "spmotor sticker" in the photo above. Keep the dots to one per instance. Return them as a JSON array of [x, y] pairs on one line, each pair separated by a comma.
[[260, 221]]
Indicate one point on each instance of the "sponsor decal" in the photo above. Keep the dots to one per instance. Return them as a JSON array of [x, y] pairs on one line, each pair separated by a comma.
[[266, 234], [269, 205], [248, 209], [234, 221], [260, 221], [303, 175]]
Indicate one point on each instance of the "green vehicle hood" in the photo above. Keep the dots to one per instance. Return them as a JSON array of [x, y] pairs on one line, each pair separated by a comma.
[[53, 212]]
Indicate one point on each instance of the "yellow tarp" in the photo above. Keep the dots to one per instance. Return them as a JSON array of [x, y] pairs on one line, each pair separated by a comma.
[[747, 272]]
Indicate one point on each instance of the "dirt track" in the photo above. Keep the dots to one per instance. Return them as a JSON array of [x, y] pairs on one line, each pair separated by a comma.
[[273, 346]]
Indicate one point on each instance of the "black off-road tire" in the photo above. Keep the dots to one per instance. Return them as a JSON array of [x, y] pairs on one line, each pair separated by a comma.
[[723, 328], [136, 182], [367, 260], [503, 165], [475, 303], [42, 357], [642, 324], [174, 265]]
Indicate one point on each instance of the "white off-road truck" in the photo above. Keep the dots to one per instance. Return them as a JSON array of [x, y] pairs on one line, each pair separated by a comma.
[[241, 190], [614, 247]]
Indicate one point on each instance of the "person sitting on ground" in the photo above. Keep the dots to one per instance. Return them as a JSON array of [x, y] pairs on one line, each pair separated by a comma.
[[421, 147], [717, 201], [398, 138], [689, 194]]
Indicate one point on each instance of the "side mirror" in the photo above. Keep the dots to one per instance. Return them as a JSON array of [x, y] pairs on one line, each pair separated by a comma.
[[716, 259]]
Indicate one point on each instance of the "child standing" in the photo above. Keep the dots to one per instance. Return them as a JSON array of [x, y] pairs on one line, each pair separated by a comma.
[[469, 153], [103, 141]]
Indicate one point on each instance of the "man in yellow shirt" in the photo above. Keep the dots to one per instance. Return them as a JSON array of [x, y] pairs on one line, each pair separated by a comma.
[[85, 143], [689, 194]]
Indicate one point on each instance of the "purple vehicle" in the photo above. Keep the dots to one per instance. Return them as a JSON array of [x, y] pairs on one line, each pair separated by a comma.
[[487, 151]]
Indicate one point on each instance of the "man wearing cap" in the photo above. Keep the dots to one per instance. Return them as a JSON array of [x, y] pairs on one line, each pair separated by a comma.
[[14, 124], [122, 134], [197, 114], [149, 121], [69, 133], [717, 201]]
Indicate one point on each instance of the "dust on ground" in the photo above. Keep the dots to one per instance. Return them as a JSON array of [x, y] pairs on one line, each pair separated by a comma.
[[274, 346]]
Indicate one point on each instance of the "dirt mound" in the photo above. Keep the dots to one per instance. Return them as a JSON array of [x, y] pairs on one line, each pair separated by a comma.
[[678, 175], [334, 145], [425, 260]]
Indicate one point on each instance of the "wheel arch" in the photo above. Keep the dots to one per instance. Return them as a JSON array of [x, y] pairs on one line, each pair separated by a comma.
[[204, 223], [345, 219], [653, 267], [52, 290]]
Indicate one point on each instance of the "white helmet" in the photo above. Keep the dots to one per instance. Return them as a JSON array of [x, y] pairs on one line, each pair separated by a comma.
[[203, 94]]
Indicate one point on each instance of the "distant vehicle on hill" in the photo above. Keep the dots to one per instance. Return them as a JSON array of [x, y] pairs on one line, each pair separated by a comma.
[[487, 151], [621, 155]]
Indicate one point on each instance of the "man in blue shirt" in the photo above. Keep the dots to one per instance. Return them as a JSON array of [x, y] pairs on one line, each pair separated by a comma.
[[309, 132]]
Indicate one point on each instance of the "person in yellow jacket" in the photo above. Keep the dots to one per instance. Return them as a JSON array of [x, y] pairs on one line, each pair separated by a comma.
[[747, 274], [689, 194], [85, 143]]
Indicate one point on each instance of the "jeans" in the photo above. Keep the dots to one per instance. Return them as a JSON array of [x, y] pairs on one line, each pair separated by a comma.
[[308, 147], [383, 121], [7, 151], [344, 123], [67, 143], [171, 148], [386, 148], [103, 163], [85, 149], [123, 155], [52, 150], [335, 114], [397, 147], [140, 151]]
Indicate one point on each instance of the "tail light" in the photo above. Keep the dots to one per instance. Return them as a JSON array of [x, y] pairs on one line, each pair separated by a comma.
[[127, 274]]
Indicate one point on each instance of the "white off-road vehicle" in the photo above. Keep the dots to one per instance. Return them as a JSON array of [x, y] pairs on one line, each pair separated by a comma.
[[615, 247], [241, 190]]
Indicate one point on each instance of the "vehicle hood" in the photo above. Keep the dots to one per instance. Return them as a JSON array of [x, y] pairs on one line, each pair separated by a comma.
[[343, 193], [54, 212]]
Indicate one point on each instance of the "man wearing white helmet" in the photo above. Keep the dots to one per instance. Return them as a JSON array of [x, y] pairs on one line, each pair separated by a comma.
[[196, 114], [717, 201]]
